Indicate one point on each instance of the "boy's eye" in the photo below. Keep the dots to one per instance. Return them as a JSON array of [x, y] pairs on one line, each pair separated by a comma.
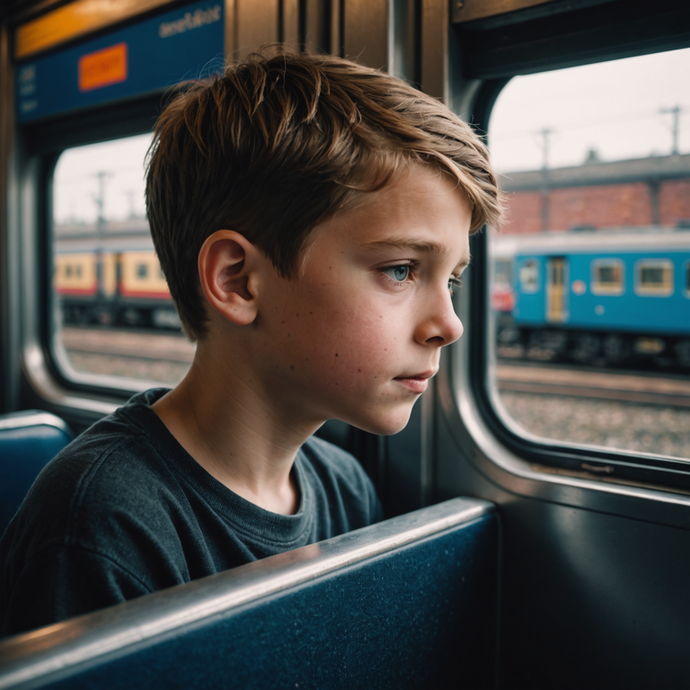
[[399, 273], [454, 282]]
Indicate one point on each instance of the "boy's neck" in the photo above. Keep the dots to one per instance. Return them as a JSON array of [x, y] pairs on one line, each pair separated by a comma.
[[235, 433]]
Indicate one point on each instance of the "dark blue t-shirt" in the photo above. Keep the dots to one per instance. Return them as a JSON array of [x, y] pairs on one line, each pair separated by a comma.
[[124, 511]]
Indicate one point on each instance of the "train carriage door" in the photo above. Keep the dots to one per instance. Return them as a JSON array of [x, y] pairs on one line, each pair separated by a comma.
[[118, 275], [556, 297]]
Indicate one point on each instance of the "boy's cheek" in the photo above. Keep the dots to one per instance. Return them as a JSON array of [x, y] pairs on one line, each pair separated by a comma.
[[345, 332]]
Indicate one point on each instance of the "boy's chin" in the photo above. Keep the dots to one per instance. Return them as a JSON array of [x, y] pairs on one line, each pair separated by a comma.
[[384, 426]]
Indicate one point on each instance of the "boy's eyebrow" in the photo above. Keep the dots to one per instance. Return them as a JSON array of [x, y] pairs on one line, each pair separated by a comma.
[[432, 248]]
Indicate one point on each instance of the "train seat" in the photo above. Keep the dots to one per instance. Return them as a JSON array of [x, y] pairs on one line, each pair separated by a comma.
[[407, 603], [28, 441]]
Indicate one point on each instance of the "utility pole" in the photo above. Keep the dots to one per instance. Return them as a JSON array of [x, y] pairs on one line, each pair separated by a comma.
[[545, 134], [675, 113], [99, 200]]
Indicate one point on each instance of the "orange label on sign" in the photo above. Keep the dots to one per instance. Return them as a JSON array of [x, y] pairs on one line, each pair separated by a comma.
[[103, 68]]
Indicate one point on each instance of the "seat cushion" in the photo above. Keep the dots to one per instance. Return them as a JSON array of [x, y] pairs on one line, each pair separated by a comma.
[[28, 441]]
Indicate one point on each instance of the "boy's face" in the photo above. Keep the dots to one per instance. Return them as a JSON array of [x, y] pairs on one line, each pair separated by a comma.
[[359, 334]]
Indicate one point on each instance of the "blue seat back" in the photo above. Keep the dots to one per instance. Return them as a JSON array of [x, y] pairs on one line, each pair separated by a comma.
[[408, 603], [28, 441]]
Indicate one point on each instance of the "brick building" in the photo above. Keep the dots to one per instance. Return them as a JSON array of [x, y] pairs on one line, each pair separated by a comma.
[[652, 191]]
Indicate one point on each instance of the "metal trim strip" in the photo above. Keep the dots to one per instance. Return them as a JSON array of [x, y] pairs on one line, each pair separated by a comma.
[[26, 658]]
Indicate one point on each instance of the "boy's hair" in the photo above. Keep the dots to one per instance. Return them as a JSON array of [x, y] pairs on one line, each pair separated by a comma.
[[277, 145]]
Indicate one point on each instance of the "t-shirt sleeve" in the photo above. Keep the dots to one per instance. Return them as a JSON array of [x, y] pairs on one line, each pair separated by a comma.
[[63, 582]]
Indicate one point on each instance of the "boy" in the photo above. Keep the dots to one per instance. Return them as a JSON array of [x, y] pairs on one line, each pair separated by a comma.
[[311, 216]]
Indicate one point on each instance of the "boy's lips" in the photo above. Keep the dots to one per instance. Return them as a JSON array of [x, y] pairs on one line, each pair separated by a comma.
[[416, 382]]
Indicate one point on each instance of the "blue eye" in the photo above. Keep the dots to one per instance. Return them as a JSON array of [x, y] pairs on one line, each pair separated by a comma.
[[399, 273], [454, 283]]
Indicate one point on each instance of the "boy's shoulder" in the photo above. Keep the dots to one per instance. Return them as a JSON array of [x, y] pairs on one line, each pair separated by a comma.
[[115, 451], [88, 530], [124, 511], [127, 468], [133, 422], [113, 465]]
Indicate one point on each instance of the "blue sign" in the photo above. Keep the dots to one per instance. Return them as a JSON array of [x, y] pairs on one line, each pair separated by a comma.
[[183, 44]]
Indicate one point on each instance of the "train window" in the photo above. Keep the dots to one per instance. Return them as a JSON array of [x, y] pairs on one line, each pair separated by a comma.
[[654, 277], [607, 276], [113, 312], [598, 185], [529, 275], [503, 272]]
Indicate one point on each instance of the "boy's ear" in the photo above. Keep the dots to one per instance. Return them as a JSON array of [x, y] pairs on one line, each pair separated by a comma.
[[228, 265]]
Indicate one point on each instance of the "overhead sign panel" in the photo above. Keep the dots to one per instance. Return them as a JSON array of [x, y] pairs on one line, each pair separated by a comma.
[[150, 56], [78, 18]]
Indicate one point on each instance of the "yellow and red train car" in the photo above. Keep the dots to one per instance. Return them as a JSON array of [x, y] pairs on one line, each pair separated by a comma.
[[118, 282]]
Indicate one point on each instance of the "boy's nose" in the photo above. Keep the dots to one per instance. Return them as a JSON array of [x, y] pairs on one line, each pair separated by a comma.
[[439, 325]]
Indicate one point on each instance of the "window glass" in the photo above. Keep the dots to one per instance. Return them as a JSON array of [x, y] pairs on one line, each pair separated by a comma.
[[607, 276], [595, 161], [654, 277], [113, 312], [529, 275]]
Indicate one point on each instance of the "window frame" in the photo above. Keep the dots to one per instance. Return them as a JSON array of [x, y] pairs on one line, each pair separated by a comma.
[[503, 446], [666, 289], [596, 286], [535, 284], [50, 382]]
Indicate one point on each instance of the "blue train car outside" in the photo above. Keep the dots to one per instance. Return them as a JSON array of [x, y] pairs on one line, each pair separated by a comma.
[[604, 294]]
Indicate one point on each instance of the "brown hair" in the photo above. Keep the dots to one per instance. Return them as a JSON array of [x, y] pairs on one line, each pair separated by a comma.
[[277, 145]]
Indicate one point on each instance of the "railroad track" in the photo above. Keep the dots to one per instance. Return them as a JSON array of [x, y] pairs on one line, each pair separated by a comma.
[[544, 379], [553, 380], [128, 344]]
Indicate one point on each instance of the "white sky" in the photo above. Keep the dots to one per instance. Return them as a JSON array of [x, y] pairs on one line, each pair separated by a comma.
[[76, 182], [613, 107]]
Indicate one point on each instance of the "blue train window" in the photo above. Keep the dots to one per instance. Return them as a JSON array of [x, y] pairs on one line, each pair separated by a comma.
[[529, 275], [608, 277], [654, 277], [503, 272]]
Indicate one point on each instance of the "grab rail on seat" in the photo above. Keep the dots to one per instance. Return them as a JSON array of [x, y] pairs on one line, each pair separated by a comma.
[[409, 602]]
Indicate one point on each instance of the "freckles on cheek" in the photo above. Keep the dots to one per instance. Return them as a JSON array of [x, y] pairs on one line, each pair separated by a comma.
[[367, 362], [357, 338]]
